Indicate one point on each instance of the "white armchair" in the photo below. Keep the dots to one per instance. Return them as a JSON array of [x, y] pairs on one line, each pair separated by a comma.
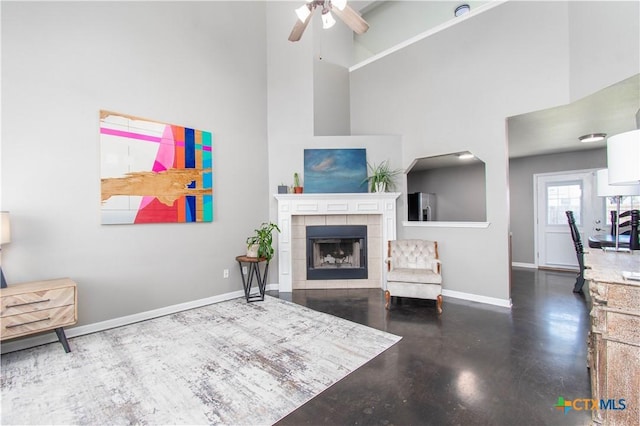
[[414, 270]]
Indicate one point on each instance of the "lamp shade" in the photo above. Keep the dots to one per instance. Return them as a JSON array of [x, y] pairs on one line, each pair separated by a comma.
[[5, 228], [606, 190], [623, 158]]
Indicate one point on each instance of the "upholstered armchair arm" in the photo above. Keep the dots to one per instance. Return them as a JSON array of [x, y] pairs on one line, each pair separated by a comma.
[[436, 265]]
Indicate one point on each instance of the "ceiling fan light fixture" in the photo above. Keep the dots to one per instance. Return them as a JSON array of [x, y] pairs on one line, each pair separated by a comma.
[[327, 19], [303, 12], [592, 137], [339, 4]]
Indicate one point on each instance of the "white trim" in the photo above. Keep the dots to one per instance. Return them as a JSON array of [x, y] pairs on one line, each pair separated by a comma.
[[289, 205], [537, 244], [51, 337], [273, 286], [444, 224], [524, 265], [430, 32], [505, 303]]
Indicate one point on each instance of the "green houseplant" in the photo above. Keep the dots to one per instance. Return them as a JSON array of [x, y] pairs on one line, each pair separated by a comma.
[[260, 243], [382, 177]]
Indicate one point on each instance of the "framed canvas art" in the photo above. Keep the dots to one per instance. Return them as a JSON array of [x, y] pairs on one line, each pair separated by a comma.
[[154, 172], [335, 170]]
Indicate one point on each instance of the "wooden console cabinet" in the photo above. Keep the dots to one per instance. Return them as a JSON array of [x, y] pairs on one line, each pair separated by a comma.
[[614, 337], [38, 306]]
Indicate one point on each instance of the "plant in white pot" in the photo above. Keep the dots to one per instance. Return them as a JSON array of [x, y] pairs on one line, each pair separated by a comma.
[[260, 244], [382, 177]]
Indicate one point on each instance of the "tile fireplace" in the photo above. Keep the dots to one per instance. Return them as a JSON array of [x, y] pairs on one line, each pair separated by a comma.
[[301, 215]]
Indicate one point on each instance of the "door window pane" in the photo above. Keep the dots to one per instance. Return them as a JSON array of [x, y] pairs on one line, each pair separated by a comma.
[[631, 202], [562, 197]]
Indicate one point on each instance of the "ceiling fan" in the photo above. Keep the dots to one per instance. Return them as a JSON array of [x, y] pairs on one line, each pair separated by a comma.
[[339, 7]]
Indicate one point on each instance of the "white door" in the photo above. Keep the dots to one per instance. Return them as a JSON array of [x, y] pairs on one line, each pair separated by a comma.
[[555, 194]]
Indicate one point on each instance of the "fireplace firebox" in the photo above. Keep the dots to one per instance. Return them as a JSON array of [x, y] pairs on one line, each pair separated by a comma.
[[337, 252]]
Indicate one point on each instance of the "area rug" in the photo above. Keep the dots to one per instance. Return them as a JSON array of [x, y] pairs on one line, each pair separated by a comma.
[[233, 363]]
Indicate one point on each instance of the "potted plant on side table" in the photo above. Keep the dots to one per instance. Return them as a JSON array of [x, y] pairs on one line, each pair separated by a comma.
[[259, 249], [260, 244], [382, 177]]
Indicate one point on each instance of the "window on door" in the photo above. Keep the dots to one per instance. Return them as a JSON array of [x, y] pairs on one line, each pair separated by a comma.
[[631, 202], [563, 196]]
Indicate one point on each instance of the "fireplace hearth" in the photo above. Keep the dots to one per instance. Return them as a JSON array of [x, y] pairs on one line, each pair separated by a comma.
[[336, 252]]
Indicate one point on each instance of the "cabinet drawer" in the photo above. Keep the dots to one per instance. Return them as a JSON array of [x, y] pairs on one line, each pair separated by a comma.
[[33, 322], [37, 300]]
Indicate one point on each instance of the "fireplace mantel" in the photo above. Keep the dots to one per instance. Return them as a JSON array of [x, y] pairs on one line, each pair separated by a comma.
[[377, 203]]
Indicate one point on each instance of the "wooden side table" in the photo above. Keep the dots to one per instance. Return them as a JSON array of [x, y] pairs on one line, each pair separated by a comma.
[[253, 272], [37, 306]]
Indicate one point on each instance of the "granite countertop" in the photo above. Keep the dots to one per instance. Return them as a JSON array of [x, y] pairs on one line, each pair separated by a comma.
[[609, 266]]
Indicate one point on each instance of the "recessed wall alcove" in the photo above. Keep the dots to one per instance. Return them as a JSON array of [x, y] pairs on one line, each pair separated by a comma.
[[456, 184]]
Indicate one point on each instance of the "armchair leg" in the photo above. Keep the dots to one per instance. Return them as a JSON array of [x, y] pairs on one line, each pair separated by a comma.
[[387, 299], [439, 303]]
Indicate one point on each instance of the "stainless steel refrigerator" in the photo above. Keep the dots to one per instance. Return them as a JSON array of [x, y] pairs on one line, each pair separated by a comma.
[[422, 206]]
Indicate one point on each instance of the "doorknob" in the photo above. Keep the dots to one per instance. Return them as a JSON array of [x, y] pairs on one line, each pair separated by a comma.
[[598, 221], [598, 229]]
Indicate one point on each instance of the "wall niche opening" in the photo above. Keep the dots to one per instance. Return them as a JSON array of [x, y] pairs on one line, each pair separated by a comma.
[[448, 188]]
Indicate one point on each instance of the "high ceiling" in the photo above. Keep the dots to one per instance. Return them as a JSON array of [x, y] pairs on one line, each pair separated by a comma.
[[611, 110]]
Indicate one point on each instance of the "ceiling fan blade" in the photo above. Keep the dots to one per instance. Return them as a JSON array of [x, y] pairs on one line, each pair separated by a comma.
[[352, 19], [299, 27]]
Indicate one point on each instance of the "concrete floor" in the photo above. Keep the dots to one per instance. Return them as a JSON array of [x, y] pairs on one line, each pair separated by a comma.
[[475, 364]]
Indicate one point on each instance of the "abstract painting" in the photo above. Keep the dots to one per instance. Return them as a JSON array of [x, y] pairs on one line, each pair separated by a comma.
[[335, 170], [154, 172]]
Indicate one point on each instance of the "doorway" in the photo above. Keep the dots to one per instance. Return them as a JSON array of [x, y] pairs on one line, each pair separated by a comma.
[[555, 193]]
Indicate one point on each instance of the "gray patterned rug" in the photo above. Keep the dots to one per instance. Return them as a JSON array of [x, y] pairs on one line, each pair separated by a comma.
[[228, 363]]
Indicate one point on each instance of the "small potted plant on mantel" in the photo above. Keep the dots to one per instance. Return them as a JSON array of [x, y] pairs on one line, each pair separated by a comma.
[[382, 177], [297, 186], [260, 244]]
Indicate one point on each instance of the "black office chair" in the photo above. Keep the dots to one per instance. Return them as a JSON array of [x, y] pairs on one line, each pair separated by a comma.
[[577, 243]]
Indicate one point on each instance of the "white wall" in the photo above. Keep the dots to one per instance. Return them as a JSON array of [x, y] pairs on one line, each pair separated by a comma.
[[393, 22], [453, 91], [188, 63], [185, 63], [604, 40], [300, 111]]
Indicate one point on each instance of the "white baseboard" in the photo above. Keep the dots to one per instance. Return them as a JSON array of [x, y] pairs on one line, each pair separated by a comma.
[[275, 287], [524, 265], [505, 303], [41, 339]]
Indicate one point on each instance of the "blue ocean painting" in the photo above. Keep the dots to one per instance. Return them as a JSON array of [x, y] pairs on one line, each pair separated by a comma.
[[335, 170]]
